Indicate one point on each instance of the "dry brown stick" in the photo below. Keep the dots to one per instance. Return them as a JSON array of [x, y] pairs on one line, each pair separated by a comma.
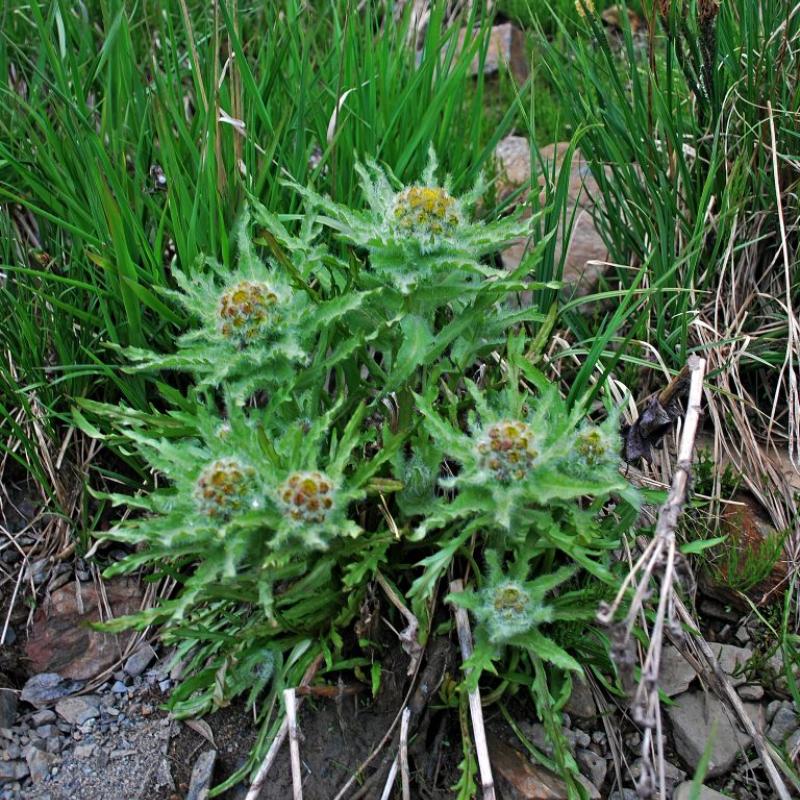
[[290, 702], [258, 782], [475, 708], [405, 780]]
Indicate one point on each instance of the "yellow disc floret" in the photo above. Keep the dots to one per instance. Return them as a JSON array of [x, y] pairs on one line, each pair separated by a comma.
[[246, 310], [223, 487], [307, 497], [592, 446], [506, 450], [425, 212]]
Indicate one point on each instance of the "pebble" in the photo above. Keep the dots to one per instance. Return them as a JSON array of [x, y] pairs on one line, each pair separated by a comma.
[[78, 710], [751, 691], [784, 723], [47, 688], [119, 688], [42, 717], [46, 731], [84, 750], [140, 660]]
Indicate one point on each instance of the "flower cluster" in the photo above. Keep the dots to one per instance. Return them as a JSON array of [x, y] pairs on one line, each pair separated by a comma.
[[307, 497], [506, 450], [425, 212], [246, 311], [224, 487]]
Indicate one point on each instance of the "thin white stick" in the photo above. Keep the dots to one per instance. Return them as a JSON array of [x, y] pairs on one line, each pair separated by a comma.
[[404, 774], [294, 745], [258, 782], [475, 708], [387, 790]]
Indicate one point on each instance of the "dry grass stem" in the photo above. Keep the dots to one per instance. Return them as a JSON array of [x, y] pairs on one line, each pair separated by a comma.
[[290, 701], [475, 708]]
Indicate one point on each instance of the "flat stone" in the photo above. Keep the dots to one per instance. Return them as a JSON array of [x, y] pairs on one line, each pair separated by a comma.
[[694, 717], [593, 766], [586, 253], [140, 660], [47, 688], [672, 775], [61, 640], [46, 731], [751, 691], [581, 702], [39, 763], [684, 792], [13, 771], [202, 773], [77, 710], [675, 673], [519, 779], [784, 723], [43, 717], [84, 750], [732, 659]]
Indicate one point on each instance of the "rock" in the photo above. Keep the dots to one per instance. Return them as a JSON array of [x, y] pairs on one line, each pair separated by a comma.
[[672, 774], [8, 703], [506, 50], [593, 766], [119, 688], [751, 535], [675, 673], [46, 731], [732, 659], [513, 158], [61, 640], [751, 691], [694, 717], [84, 750], [684, 792], [40, 763], [624, 794], [13, 771], [77, 710], [47, 688], [202, 773], [784, 723], [519, 779], [140, 660], [43, 717], [581, 702]]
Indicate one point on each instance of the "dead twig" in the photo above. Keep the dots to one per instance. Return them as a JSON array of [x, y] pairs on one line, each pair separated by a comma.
[[659, 559], [258, 782], [475, 708], [405, 780], [408, 636], [290, 702], [387, 789]]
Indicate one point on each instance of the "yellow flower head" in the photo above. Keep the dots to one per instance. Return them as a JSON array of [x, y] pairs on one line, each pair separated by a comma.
[[506, 450], [307, 497], [223, 487], [245, 310], [425, 211]]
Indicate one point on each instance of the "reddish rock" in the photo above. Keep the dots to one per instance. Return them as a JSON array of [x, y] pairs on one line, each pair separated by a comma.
[[586, 252], [748, 530], [62, 641], [519, 779]]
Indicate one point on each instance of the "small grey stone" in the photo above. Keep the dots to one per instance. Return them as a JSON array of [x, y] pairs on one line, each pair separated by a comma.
[[581, 702], [78, 710], [783, 724], [598, 737], [46, 731], [40, 763], [624, 794], [140, 660], [684, 792], [742, 635], [772, 709], [672, 774], [751, 691], [54, 744], [693, 716], [119, 688], [47, 688], [593, 766], [202, 773], [732, 659], [43, 717], [84, 750], [13, 771], [675, 673], [793, 742]]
